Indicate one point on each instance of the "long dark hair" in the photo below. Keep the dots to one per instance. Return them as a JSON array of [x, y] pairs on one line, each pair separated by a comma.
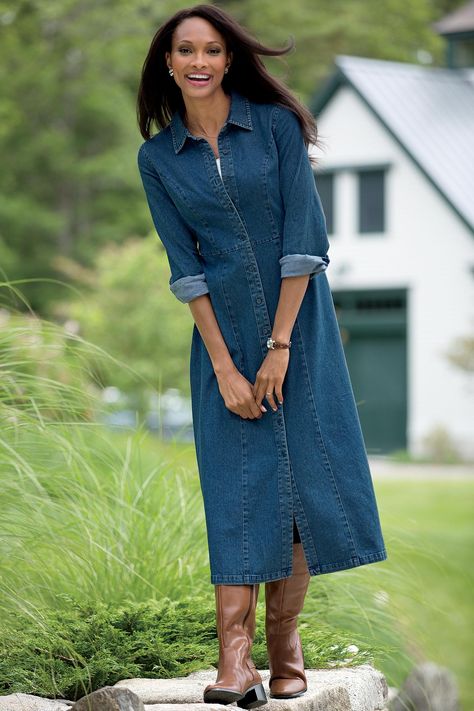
[[159, 96]]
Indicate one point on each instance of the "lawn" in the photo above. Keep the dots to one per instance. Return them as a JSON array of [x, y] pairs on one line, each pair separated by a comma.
[[430, 580]]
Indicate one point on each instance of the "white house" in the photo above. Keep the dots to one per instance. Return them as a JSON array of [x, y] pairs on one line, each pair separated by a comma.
[[396, 178]]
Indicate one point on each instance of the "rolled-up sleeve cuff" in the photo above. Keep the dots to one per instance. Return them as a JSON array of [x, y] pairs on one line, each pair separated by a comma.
[[189, 287], [299, 264]]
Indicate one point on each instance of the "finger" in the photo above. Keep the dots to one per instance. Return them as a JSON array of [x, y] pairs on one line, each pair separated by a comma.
[[279, 394], [270, 398], [256, 411], [257, 391], [259, 402], [260, 388], [268, 392], [244, 408], [252, 410], [257, 394]]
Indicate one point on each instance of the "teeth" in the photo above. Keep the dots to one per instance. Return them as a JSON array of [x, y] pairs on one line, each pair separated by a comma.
[[198, 76]]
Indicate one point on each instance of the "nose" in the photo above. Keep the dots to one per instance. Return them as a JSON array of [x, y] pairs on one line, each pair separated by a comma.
[[200, 60]]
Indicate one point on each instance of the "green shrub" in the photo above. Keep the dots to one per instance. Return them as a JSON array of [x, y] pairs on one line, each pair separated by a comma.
[[82, 647]]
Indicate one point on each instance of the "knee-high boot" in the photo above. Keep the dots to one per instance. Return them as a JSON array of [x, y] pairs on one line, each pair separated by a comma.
[[237, 678], [284, 601]]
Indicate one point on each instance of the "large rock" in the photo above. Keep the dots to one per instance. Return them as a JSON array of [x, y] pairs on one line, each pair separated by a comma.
[[428, 687], [109, 698]]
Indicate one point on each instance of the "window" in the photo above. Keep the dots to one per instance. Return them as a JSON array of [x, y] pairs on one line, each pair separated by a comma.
[[371, 200], [460, 52], [325, 188]]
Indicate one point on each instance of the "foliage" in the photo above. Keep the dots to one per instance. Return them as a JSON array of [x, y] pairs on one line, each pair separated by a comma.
[[461, 354], [391, 30], [69, 71], [63, 479], [427, 585], [69, 74], [98, 526], [440, 446], [82, 647], [43, 370], [97, 531], [127, 309]]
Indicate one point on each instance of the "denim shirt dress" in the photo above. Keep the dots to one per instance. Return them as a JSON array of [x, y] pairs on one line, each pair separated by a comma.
[[235, 237]]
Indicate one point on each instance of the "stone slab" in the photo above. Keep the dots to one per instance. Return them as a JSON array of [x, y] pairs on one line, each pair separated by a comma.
[[29, 702], [360, 688]]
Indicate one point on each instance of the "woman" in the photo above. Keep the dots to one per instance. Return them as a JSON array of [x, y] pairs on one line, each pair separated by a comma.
[[233, 198]]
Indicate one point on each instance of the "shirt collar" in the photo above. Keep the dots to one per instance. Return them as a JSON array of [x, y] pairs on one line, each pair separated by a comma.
[[239, 115]]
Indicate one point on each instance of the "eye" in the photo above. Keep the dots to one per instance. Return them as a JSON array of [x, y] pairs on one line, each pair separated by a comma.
[[184, 49], [215, 50]]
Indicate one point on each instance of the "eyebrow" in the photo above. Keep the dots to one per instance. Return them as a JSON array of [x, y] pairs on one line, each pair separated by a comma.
[[210, 41]]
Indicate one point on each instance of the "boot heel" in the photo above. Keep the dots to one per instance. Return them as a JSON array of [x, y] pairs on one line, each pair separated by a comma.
[[255, 696]]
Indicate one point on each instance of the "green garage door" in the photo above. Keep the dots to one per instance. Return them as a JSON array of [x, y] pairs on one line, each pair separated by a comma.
[[373, 331]]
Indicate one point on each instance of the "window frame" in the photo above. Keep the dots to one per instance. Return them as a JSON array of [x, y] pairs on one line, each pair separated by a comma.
[[363, 227]]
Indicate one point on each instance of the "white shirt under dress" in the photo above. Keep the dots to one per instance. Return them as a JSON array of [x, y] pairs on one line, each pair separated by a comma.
[[218, 161]]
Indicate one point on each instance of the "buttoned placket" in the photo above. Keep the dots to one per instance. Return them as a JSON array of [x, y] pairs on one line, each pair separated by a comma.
[[286, 484], [233, 226]]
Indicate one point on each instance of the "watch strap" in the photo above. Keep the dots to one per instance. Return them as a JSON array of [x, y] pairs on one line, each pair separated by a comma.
[[277, 344]]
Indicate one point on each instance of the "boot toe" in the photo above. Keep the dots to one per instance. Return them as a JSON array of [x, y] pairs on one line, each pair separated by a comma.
[[219, 693], [287, 688]]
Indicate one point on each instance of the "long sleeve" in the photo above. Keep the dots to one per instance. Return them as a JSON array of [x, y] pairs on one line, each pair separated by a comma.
[[187, 280], [305, 241]]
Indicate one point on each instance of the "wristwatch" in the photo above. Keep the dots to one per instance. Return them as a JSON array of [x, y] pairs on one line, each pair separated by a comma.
[[277, 344]]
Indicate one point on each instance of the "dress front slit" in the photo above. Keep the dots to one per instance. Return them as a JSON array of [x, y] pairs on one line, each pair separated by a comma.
[[296, 534]]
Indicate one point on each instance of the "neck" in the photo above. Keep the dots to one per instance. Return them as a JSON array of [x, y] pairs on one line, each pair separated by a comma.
[[208, 113]]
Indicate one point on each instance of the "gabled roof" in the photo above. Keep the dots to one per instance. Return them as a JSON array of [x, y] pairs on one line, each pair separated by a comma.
[[460, 20], [430, 113]]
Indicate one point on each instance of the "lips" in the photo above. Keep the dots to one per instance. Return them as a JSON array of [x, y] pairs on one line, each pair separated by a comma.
[[198, 78]]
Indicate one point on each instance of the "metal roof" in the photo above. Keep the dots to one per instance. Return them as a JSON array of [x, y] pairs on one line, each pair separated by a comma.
[[460, 20], [428, 110]]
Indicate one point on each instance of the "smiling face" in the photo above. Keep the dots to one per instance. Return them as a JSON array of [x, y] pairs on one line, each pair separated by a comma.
[[198, 57]]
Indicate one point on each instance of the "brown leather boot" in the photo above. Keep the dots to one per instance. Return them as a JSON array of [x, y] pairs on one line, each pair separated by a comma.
[[284, 601], [237, 678], [250, 623]]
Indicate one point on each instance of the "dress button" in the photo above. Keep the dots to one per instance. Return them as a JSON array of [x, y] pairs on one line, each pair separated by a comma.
[[258, 300]]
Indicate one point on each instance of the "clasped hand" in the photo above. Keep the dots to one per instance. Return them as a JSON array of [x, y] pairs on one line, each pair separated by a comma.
[[245, 399]]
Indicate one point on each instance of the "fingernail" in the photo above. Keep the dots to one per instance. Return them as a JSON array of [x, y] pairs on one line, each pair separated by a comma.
[[264, 408]]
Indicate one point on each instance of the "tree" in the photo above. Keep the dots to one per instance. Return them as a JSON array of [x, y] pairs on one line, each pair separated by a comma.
[[69, 71], [127, 309]]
